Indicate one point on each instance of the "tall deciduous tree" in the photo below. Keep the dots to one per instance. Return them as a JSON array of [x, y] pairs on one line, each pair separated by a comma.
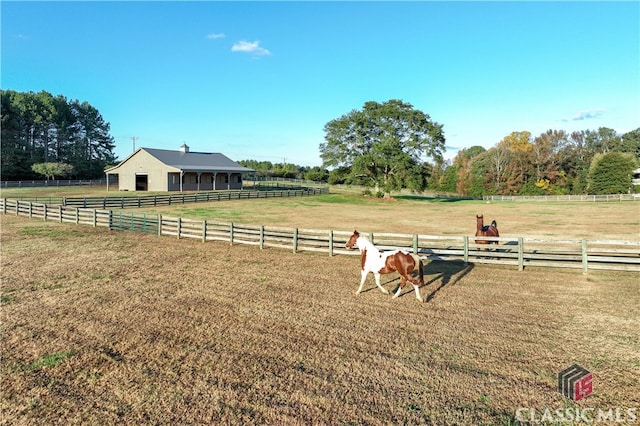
[[384, 144]]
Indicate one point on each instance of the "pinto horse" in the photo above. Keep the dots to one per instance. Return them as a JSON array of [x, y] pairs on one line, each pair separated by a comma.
[[384, 262], [486, 231]]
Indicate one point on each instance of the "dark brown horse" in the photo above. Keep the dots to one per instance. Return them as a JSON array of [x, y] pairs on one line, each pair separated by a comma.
[[486, 231], [384, 262]]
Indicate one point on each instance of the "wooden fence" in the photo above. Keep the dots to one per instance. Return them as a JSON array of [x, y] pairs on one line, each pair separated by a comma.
[[182, 198], [519, 252]]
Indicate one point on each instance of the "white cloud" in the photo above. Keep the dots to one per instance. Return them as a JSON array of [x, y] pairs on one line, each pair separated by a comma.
[[215, 36], [250, 47], [586, 115]]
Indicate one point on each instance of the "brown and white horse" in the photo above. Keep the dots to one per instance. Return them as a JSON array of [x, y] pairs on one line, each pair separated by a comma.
[[384, 262], [486, 231]]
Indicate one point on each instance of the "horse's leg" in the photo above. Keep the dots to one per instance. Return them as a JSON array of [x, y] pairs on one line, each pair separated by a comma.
[[418, 296], [403, 280], [362, 280], [382, 289]]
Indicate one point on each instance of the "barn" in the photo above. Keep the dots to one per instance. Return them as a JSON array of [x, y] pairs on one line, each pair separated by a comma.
[[149, 169]]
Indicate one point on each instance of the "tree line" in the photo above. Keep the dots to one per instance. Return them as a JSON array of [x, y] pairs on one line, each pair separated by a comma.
[[388, 146], [384, 146], [553, 163], [46, 135]]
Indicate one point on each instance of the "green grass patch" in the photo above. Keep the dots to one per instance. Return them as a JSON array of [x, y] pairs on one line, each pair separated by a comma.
[[7, 299], [47, 231], [50, 360]]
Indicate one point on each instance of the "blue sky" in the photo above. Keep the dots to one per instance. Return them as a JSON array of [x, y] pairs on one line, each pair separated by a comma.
[[259, 80]]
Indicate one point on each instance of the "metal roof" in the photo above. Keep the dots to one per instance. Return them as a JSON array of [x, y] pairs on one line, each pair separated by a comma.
[[195, 161]]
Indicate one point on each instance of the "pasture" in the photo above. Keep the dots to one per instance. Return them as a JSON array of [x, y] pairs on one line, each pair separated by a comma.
[[410, 214], [104, 327]]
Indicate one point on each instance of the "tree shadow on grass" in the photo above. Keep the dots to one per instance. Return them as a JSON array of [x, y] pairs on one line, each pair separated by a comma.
[[432, 198]]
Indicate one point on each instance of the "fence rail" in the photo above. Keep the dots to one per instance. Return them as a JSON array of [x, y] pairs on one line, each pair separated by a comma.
[[519, 252], [182, 198], [53, 183], [584, 197]]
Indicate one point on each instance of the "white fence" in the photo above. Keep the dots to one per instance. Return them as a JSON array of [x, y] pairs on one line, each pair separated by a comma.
[[519, 252], [591, 198]]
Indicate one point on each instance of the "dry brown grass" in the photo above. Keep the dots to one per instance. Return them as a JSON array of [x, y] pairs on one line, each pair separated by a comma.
[[104, 327], [413, 215]]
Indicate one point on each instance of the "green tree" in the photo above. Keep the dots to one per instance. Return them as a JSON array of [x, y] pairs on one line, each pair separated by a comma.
[[41, 128], [51, 170], [383, 144], [631, 143], [611, 173], [317, 174]]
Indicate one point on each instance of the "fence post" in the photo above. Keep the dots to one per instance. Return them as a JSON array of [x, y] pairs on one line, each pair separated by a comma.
[[415, 244], [60, 213], [330, 243], [45, 212], [466, 249], [179, 226], [261, 237], [159, 225], [295, 239], [520, 253], [4, 205], [95, 218], [204, 231], [30, 209], [585, 261], [231, 233], [371, 237], [77, 215]]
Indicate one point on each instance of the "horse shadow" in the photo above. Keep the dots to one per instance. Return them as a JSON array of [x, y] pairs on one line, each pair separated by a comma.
[[444, 273], [441, 272]]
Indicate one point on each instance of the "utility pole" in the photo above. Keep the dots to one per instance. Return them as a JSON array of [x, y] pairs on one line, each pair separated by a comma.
[[134, 139]]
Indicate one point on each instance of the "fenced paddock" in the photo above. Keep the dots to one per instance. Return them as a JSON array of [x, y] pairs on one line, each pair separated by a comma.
[[183, 198], [518, 252]]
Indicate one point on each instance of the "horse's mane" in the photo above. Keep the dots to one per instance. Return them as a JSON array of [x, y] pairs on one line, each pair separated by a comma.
[[366, 244]]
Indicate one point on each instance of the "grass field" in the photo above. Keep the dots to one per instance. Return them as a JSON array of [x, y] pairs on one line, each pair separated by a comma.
[[104, 327]]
